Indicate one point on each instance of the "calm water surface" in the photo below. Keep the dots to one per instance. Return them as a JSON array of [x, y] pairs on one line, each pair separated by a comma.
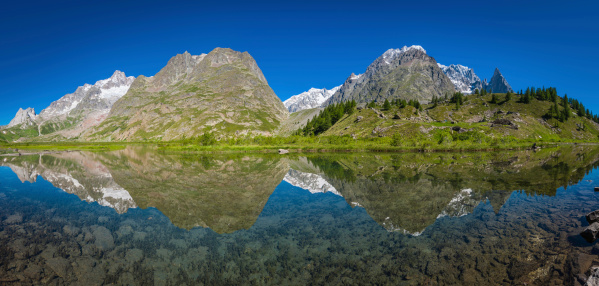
[[140, 217]]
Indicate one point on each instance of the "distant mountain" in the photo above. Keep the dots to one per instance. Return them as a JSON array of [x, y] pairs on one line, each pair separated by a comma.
[[498, 83], [407, 73], [309, 99], [466, 81], [75, 112], [24, 118], [100, 96], [223, 92], [463, 78]]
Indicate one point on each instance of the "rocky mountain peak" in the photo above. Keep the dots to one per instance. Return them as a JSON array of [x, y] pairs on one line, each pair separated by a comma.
[[223, 91], [23, 116], [407, 73], [498, 83], [402, 55]]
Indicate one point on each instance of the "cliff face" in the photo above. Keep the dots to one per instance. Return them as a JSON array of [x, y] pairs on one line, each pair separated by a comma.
[[223, 92]]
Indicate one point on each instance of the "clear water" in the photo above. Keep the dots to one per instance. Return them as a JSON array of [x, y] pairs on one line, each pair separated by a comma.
[[140, 217]]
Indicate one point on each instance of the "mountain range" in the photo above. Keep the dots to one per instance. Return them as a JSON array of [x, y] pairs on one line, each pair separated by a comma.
[[77, 111], [226, 94], [466, 81], [406, 73]]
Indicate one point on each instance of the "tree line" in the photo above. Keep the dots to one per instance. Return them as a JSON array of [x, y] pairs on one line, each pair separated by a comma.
[[327, 118]]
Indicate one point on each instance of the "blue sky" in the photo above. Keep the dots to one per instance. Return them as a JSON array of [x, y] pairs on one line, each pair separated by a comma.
[[51, 47]]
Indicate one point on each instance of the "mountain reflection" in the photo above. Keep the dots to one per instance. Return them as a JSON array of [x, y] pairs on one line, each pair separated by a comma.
[[226, 193], [408, 192]]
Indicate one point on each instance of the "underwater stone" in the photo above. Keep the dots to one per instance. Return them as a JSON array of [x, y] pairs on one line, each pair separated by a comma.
[[590, 233], [104, 239], [592, 217], [593, 279]]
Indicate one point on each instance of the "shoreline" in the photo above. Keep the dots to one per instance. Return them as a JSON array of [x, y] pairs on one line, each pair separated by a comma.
[[177, 148]]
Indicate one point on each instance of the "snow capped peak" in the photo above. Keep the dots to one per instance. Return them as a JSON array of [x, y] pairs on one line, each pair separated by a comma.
[[463, 78], [312, 98], [392, 53]]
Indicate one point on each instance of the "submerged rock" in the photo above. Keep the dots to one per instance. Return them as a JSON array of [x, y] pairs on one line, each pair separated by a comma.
[[592, 217], [593, 279], [591, 232], [104, 239]]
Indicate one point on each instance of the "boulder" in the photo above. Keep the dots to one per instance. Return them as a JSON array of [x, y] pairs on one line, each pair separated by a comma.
[[592, 217], [596, 189], [359, 118], [502, 121], [591, 232], [396, 116], [283, 151]]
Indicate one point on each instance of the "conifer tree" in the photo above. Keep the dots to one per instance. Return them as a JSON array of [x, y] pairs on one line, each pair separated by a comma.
[[494, 98], [386, 105], [566, 110]]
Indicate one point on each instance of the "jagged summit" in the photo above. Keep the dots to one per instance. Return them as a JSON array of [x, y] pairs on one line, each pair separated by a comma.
[[466, 81], [391, 53], [498, 83]]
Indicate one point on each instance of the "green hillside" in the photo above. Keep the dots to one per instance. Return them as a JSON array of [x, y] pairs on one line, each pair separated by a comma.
[[475, 121]]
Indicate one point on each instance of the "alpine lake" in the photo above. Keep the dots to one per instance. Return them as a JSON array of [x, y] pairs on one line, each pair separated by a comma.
[[141, 217]]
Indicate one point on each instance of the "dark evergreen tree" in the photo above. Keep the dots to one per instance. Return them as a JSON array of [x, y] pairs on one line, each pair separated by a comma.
[[494, 98], [386, 105]]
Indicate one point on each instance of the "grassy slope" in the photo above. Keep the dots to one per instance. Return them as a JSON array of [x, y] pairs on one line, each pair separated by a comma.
[[423, 125]]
